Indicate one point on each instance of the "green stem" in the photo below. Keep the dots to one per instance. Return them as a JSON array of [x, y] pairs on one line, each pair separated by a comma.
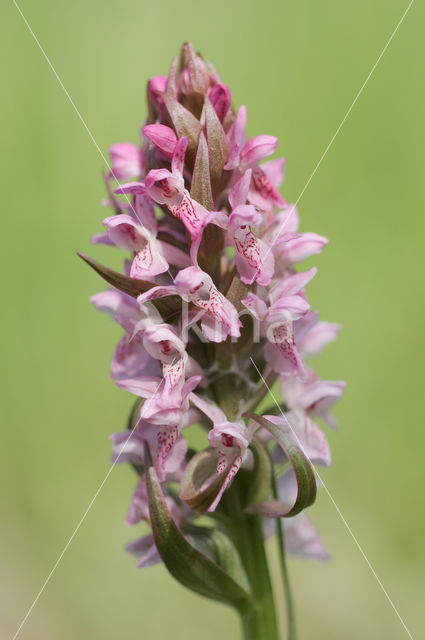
[[258, 622], [285, 574]]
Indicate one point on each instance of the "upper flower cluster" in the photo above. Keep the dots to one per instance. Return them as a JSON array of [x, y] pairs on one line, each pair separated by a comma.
[[211, 304]]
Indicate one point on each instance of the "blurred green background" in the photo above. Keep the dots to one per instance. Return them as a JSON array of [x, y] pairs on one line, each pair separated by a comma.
[[298, 66]]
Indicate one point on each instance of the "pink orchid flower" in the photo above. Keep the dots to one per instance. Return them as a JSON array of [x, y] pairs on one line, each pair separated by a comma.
[[125, 233], [131, 358], [254, 259], [313, 336], [221, 100], [305, 433], [220, 318], [127, 161], [313, 396], [246, 154], [288, 304], [230, 439], [168, 188]]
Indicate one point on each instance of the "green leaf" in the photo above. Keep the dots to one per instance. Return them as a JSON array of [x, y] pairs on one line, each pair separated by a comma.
[[217, 145], [190, 567], [184, 122], [198, 74], [210, 250], [237, 292], [227, 556], [171, 89], [261, 482], [269, 509], [304, 473], [201, 184], [219, 547], [134, 287]]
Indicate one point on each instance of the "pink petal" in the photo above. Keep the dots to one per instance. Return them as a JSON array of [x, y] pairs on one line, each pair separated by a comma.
[[274, 171], [292, 248], [134, 188], [177, 162], [126, 160], [282, 354], [155, 293], [144, 212], [144, 387], [163, 138], [162, 343], [287, 309], [102, 238], [226, 435], [244, 214], [211, 410], [302, 538], [256, 149], [257, 306], [221, 99], [149, 261], [236, 135], [131, 360], [145, 549], [319, 337], [127, 447], [125, 233], [193, 215], [305, 433], [293, 284], [239, 192], [263, 194]]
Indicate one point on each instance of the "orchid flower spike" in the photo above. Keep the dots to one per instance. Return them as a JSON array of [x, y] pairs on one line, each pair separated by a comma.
[[212, 303]]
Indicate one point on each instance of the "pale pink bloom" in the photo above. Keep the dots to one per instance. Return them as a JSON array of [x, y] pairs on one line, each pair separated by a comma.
[[168, 188], [254, 259], [276, 322], [127, 161], [306, 434], [246, 154], [156, 87], [130, 358], [166, 399], [220, 318], [127, 234], [265, 183], [163, 138], [286, 221], [289, 246], [313, 336], [230, 439], [128, 446], [163, 186], [314, 396], [302, 538], [292, 248]]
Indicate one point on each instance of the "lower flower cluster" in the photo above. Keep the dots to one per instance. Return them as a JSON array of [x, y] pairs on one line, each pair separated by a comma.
[[214, 311]]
